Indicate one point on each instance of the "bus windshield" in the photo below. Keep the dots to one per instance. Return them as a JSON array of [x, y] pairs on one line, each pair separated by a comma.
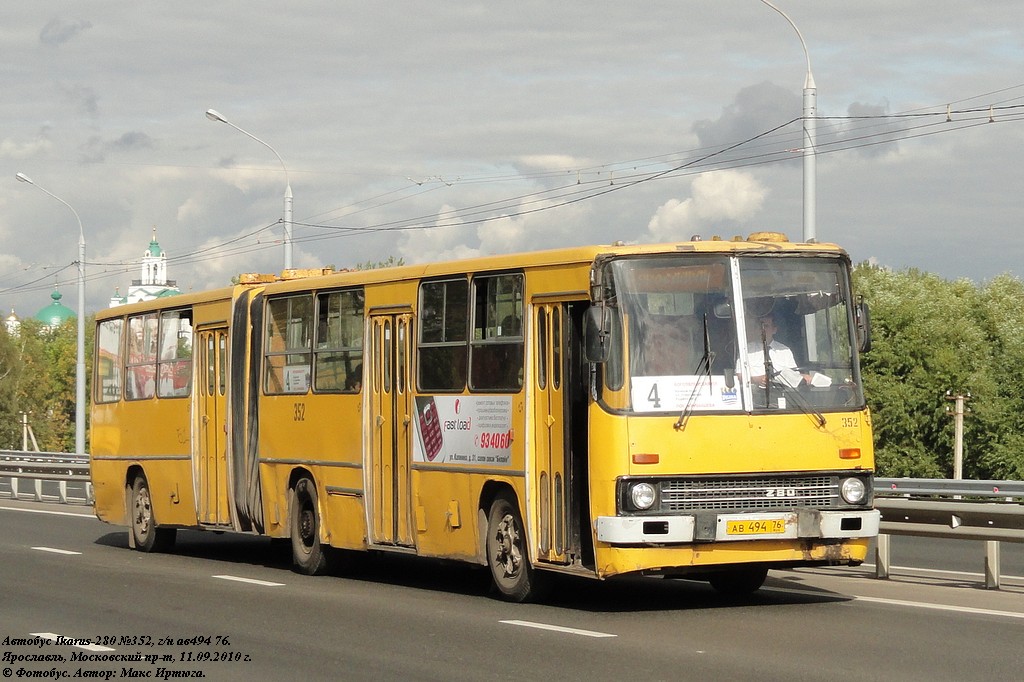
[[729, 334]]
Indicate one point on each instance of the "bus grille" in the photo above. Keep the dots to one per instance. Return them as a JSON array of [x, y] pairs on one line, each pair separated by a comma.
[[774, 492]]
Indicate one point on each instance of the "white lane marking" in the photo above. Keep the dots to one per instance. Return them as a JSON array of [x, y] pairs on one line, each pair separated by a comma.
[[941, 607], [900, 602], [48, 511], [556, 628], [586, 633], [57, 639], [54, 550], [944, 572], [251, 581]]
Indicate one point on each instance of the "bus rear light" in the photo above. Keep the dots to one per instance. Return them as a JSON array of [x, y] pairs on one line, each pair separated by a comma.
[[849, 453], [646, 458]]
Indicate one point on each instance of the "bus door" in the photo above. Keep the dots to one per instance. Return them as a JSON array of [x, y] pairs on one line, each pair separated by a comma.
[[211, 466], [390, 424], [550, 431]]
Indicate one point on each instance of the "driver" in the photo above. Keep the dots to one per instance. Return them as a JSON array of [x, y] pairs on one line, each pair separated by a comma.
[[782, 360]]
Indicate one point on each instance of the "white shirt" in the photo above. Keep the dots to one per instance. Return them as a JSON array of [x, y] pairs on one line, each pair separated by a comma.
[[783, 362]]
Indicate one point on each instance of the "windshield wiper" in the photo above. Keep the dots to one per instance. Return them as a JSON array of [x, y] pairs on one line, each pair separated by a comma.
[[769, 368], [805, 405], [704, 371]]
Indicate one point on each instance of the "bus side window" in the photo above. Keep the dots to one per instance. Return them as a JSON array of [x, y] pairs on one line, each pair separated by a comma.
[[442, 352], [288, 343], [109, 359], [140, 372], [174, 366], [496, 350], [338, 347]]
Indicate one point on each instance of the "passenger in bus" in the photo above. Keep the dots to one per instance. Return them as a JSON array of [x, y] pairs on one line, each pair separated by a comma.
[[354, 381], [667, 346], [510, 326], [783, 363]]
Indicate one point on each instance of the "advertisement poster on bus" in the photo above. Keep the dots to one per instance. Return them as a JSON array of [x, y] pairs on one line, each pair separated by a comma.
[[463, 430]]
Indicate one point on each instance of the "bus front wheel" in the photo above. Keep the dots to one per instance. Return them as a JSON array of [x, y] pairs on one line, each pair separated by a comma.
[[507, 556], [146, 535], [308, 555]]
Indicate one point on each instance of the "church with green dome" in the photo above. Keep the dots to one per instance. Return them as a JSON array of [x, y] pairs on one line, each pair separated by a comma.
[[52, 316], [153, 282], [55, 314]]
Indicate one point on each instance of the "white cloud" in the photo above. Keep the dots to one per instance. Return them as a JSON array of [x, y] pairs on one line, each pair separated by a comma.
[[530, 228], [504, 235], [732, 196], [550, 162], [106, 110], [444, 240], [13, 149], [191, 210]]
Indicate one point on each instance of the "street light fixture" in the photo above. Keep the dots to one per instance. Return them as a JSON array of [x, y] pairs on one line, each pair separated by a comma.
[[80, 404], [216, 116], [809, 113]]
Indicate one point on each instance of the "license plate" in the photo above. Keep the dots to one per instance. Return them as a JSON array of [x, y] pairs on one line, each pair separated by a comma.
[[755, 527]]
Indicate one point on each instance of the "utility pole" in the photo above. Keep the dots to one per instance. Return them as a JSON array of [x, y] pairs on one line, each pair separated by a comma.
[[957, 412], [27, 433], [810, 113]]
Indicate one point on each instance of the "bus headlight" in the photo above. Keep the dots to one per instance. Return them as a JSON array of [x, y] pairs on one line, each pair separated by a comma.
[[853, 491], [642, 495]]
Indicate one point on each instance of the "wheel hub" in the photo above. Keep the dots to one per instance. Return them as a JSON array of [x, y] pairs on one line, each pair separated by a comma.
[[307, 527], [143, 513], [508, 555]]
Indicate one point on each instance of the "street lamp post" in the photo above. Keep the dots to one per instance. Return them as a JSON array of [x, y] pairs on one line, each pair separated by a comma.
[[216, 116], [809, 112], [80, 404]]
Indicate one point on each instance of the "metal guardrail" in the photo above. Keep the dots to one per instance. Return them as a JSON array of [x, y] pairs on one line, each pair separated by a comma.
[[39, 467], [948, 486], [991, 511]]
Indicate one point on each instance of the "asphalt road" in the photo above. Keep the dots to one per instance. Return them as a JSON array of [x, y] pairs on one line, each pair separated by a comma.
[[228, 607]]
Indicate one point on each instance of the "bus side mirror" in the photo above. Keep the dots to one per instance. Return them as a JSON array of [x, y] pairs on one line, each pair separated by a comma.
[[863, 322], [595, 335]]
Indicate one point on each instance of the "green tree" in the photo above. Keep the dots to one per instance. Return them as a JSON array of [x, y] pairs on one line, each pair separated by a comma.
[[10, 377], [26, 380], [932, 336], [37, 377], [997, 418], [59, 351], [389, 262]]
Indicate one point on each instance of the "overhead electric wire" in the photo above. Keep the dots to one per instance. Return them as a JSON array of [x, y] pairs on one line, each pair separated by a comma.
[[566, 194], [28, 286], [762, 148], [455, 217]]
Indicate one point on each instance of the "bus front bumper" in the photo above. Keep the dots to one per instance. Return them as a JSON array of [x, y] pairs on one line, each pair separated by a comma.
[[712, 527]]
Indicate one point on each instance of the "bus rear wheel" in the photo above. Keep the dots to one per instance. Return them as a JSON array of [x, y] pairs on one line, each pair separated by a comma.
[[507, 556], [738, 582], [146, 535], [308, 555]]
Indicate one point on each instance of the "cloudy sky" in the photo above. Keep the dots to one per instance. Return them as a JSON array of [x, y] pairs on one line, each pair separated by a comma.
[[437, 130]]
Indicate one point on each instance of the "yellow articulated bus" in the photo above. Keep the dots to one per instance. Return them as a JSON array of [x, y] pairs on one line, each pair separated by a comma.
[[690, 410]]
